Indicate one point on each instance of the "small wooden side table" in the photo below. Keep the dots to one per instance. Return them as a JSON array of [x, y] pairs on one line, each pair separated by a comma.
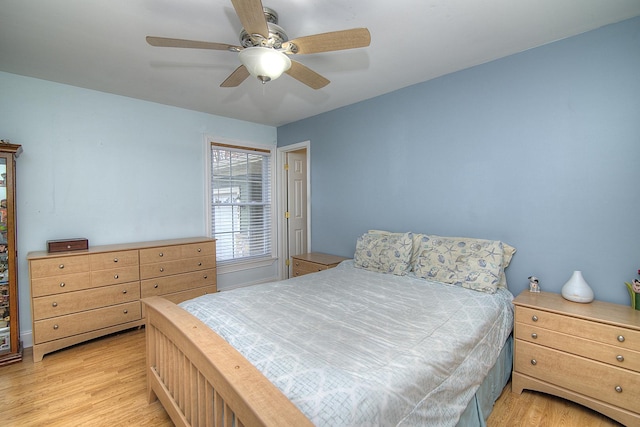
[[313, 262]]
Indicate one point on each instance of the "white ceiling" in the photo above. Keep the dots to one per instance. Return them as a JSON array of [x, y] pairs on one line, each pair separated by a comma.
[[100, 44]]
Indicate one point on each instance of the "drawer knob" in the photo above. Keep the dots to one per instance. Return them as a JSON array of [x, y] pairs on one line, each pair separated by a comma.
[[619, 389], [62, 285], [55, 304], [205, 276], [161, 269], [319, 269], [124, 292], [199, 250], [534, 362], [297, 264], [55, 326], [125, 311], [115, 276], [199, 264], [620, 358], [61, 266], [115, 260], [534, 335], [155, 286], [160, 254], [534, 318], [620, 338]]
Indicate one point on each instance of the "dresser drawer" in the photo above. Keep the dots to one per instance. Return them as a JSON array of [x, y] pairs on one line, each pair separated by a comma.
[[168, 268], [613, 355], [108, 260], [199, 249], [177, 283], [60, 284], [115, 275], [608, 334], [78, 323], [594, 379], [163, 253], [172, 253], [72, 302], [55, 267]]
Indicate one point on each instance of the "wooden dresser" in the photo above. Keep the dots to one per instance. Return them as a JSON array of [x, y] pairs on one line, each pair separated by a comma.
[[78, 296], [313, 262], [587, 353]]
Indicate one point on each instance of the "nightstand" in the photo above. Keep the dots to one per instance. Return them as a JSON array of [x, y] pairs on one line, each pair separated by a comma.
[[313, 262], [587, 353]]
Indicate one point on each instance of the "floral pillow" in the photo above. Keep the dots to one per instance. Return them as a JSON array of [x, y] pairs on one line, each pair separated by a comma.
[[384, 253], [471, 263]]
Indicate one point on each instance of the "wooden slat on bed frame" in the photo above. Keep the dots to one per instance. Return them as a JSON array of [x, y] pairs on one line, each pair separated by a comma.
[[201, 380]]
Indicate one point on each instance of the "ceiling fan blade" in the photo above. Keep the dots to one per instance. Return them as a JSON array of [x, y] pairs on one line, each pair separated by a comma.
[[307, 76], [194, 44], [251, 16], [327, 42], [237, 77]]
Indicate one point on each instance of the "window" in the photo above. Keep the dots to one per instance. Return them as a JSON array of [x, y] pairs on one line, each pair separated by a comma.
[[241, 210]]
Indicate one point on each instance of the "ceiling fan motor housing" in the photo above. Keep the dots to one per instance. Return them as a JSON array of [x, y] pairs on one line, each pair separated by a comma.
[[276, 37]]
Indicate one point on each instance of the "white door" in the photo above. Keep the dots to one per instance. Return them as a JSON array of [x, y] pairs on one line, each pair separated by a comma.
[[296, 204]]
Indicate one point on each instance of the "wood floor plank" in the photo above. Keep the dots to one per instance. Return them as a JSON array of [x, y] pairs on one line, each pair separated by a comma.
[[102, 383], [99, 383]]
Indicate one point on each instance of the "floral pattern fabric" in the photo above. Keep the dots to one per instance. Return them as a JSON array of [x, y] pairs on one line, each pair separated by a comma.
[[471, 263], [384, 253]]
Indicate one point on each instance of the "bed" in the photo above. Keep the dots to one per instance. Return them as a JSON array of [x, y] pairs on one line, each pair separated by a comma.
[[415, 330]]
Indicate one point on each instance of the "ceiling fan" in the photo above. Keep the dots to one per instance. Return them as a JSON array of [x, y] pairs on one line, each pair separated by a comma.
[[265, 47]]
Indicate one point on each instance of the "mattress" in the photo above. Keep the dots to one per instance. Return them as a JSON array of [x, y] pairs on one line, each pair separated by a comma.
[[353, 347]]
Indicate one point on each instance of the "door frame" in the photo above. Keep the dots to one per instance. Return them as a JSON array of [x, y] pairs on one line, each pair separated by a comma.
[[281, 192]]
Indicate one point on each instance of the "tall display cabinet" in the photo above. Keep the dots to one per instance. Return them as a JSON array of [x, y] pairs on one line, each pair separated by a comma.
[[10, 345]]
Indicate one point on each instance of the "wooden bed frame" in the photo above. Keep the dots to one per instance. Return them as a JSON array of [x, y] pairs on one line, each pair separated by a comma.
[[201, 380]]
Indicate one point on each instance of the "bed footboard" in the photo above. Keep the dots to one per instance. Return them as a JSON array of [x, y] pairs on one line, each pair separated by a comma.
[[201, 380]]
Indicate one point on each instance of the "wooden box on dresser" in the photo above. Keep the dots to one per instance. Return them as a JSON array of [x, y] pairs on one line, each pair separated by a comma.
[[81, 295], [587, 353]]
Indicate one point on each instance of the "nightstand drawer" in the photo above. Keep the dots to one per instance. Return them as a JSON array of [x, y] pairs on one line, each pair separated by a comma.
[[313, 262], [608, 334], [612, 355], [619, 387], [301, 267]]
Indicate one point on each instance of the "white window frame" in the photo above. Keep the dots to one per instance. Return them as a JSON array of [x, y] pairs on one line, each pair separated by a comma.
[[230, 266]]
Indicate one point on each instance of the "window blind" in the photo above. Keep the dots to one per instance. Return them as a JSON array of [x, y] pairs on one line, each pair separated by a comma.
[[241, 202]]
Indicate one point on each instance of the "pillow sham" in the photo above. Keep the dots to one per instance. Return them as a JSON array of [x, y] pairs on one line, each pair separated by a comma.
[[506, 259], [388, 253], [415, 244], [471, 263]]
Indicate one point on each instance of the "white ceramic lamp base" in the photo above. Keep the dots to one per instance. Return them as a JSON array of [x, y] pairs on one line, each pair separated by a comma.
[[577, 289]]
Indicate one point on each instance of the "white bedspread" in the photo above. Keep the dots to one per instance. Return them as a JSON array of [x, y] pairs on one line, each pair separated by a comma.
[[353, 347]]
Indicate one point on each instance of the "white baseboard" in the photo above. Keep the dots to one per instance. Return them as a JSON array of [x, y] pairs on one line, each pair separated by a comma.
[[27, 339]]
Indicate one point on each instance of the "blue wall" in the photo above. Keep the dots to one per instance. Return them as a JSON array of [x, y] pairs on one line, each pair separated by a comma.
[[109, 168], [540, 149]]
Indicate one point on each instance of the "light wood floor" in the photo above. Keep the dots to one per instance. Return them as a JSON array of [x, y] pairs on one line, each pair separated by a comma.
[[102, 383]]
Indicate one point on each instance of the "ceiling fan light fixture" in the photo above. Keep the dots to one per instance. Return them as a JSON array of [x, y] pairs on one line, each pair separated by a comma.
[[264, 63]]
